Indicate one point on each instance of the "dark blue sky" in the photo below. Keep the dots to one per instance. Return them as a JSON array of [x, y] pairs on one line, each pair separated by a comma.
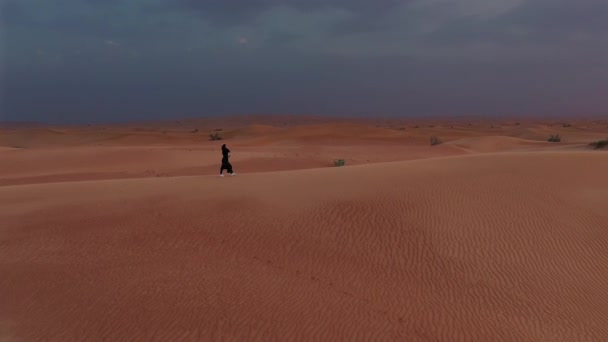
[[105, 60]]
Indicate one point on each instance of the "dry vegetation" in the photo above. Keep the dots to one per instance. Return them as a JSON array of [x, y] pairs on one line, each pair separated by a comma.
[[215, 136], [435, 141], [599, 144]]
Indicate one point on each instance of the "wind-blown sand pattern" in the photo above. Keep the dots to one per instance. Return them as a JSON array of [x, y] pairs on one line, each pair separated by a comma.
[[486, 237]]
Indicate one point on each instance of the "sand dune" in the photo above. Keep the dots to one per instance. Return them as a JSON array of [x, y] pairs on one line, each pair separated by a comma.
[[33, 166], [492, 144], [90, 153], [484, 247], [123, 232]]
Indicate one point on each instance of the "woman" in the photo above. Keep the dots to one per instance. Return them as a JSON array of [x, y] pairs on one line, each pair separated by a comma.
[[225, 163]]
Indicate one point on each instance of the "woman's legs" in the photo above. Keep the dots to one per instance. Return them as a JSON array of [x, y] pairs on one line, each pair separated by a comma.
[[226, 166]]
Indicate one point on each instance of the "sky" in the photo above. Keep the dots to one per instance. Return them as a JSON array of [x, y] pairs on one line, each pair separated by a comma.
[[112, 60]]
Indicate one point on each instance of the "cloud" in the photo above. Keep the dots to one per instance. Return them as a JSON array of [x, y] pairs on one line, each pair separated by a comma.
[[243, 12], [322, 56], [11, 12]]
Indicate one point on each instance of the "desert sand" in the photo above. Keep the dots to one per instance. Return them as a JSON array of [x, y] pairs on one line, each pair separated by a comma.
[[126, 233]]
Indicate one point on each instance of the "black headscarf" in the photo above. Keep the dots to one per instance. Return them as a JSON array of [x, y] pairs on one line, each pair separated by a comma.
[[225, 151]]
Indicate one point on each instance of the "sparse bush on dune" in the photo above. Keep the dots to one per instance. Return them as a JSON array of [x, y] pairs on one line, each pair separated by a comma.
[[214, 136], [567, 125], [599, 144], [554, 138], [435, 141], [339, 162]]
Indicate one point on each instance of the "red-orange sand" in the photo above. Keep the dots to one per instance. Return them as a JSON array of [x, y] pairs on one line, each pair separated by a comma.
[[126, 233]]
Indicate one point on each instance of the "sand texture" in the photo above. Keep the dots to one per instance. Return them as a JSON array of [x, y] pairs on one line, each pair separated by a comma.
[[120, 235]]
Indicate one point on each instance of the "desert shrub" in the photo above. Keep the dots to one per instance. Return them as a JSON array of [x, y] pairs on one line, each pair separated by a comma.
[[218, 130], [339, 162], [554, 138], [215, 136], [599, 144], [194, 130], [435, 141]]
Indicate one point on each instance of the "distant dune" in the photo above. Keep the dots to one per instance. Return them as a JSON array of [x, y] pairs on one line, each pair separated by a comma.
[[182, 147], [485, 237], [490, 144]]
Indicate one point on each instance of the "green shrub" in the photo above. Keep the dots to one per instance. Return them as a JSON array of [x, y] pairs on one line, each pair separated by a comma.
[[435, 141], [554, 138], [215, 136], [339, 162]]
